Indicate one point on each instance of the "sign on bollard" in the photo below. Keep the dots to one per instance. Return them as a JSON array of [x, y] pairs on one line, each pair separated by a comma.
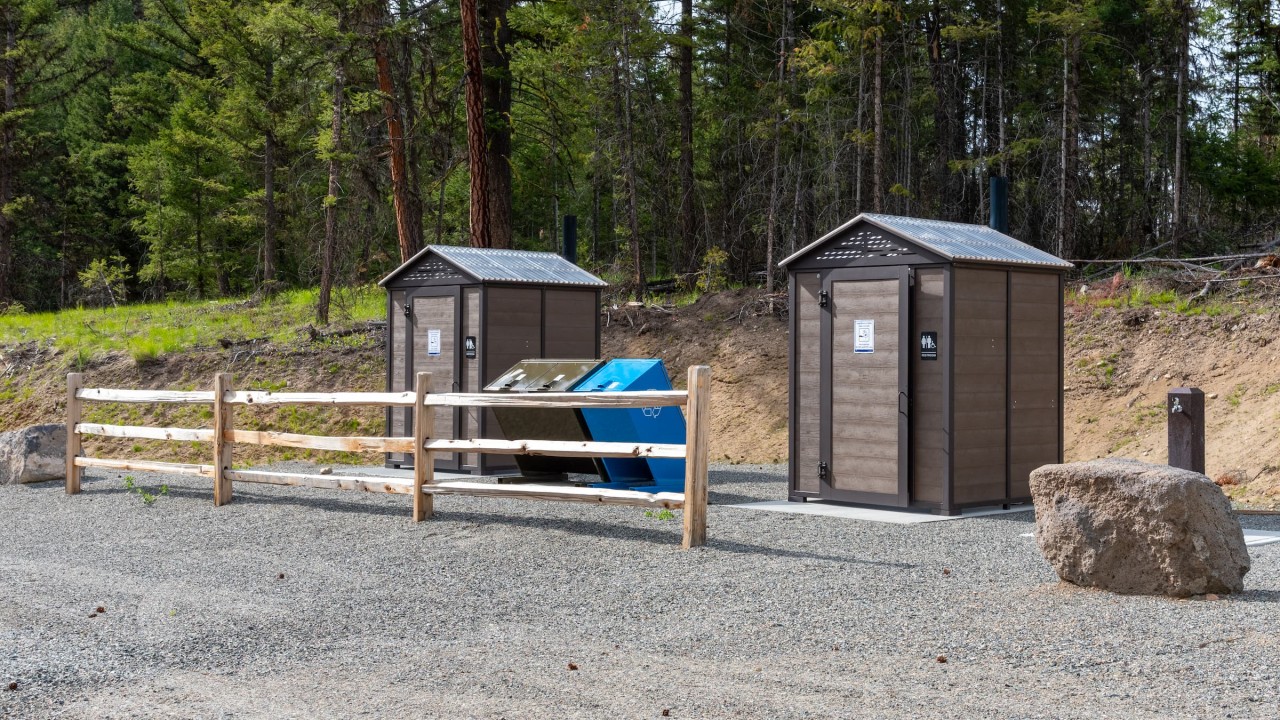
[[1186, 429]]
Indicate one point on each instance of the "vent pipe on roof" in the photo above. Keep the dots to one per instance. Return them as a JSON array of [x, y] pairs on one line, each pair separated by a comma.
[[999, 204], [571, 238]]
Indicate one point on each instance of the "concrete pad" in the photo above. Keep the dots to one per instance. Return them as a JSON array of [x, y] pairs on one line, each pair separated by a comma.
[[896, 517], [1253, 538]]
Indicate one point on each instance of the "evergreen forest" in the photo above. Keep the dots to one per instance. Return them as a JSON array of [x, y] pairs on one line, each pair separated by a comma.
[[154, 149]]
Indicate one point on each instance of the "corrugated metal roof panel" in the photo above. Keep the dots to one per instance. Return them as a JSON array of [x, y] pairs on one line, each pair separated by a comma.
[[962, 241], [515, 266], [953, 241], [522, 266]]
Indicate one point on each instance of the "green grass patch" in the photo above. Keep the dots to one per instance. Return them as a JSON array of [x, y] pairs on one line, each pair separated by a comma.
[[148, 331], [1236, 395]]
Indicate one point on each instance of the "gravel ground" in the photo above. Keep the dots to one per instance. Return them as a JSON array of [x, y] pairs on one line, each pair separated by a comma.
[[313, 604]]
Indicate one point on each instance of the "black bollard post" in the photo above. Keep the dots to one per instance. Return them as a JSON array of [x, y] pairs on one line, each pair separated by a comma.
[[1186, 429]]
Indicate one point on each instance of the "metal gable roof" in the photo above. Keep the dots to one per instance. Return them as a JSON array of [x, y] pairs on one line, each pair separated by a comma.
[[514, 266], [951, 240]]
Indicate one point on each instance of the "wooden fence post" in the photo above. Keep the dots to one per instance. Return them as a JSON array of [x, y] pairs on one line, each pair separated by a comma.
[[75, 381], [222, 427], [423, 461], [697, 435]]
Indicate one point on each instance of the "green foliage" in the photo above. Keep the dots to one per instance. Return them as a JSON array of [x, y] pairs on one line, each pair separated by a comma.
[[663, 514], [142, 135], [711, 278], [104, 281], [148, 497]]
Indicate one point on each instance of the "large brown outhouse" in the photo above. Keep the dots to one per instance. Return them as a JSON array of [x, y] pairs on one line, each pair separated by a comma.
[[926, 365], [467, 314]]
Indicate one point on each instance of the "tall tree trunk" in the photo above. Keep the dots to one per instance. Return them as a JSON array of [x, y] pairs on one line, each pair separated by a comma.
[[1069, 144], [408, 223], [6, 154], [269, 197], [330, 250], [476, 151], [771, 212], [403, 78], [200, 259], [1000, 93], [771, 217], [861, 159], [629, 192], [495, 59], [877, 125], [688, 215], [1179, 153], [949, 134]]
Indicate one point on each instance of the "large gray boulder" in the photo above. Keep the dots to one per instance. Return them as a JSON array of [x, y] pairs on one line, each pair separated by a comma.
[[1130, 527], [33, 454]]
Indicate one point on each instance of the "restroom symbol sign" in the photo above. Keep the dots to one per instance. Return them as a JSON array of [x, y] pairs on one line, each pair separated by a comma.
[[929, 345]]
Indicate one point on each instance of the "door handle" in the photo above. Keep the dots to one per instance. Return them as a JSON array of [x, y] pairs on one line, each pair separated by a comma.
[[904, 404]]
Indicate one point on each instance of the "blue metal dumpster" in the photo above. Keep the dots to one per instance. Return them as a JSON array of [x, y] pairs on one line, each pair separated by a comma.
[[646, 425]]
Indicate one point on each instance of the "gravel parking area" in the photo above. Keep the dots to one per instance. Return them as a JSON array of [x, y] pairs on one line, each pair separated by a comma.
[[298, 603]]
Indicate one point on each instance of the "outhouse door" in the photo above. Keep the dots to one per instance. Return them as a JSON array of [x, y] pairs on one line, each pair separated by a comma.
[[433, 322], [865, 394]]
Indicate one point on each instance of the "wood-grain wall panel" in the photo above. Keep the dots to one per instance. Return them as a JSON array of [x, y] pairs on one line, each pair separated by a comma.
[[980, 383], [864, 386], [1035, 376], [515, 328], [514, 333], [808, 360], [928, 438], [398, 340], [436, 314], [470, 369], [572, 317]]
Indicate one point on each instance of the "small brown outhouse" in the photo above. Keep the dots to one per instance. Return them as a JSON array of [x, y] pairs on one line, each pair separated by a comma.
[[467, 314], [926, 365]]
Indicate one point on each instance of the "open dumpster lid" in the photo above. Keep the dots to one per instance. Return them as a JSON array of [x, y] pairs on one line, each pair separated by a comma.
[[542, 376]]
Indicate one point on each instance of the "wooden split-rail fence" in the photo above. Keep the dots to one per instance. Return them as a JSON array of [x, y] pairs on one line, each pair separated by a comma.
[[424, 486]]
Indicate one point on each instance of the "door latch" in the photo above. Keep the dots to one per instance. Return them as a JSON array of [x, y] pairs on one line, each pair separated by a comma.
[[824, 298], [823, 470], [408, 309]]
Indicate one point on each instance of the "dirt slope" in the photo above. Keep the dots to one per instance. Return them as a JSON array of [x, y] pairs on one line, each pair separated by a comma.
[[1120, 364], [746, 346]]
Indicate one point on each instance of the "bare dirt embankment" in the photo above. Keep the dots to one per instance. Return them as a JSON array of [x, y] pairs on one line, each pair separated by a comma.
[[1120, 363]]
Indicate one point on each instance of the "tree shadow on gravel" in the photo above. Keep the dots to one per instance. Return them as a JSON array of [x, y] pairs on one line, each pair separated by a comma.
[[336, 504], [1256, 596], [248, 497], [656, 536]]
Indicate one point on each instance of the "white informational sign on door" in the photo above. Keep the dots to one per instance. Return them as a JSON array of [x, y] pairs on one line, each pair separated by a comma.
[[864, 336], [433, 342]]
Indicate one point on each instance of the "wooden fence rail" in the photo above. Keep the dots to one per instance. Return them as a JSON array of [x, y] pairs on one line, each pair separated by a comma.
[[423, 487]]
